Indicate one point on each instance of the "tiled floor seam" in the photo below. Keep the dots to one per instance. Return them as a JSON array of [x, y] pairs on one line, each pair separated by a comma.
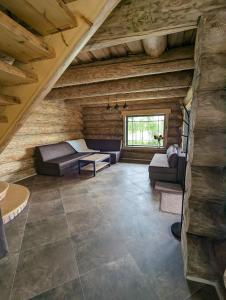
[[10, 295], [195, 292], [79, 278]]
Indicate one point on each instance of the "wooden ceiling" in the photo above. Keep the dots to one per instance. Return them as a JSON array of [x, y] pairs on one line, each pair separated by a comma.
[[173, 40], [154, 68]]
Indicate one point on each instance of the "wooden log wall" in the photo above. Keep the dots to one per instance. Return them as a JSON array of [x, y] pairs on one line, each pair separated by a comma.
[[50, 122], [102, 124], [204, 215]]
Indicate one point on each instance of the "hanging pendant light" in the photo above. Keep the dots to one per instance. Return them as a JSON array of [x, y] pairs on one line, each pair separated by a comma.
[[108, 106], [125, 106], [116, 106]]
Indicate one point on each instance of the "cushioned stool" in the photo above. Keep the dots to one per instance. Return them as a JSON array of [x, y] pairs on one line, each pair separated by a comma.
[[171, 197]]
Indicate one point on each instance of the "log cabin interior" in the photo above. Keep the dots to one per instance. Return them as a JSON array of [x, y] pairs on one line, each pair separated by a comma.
[[112, 149]]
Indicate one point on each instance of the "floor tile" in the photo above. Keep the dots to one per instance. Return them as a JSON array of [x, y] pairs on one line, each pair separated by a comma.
[[160, 258], [69, 291], [72, 190], [206, 293], [15, 230], [45, 195], [50, 230], [44, 268], [78, 202], [110, 226], [121, 280], [98, 246], [8, 266], [47, 209], [84, 219]]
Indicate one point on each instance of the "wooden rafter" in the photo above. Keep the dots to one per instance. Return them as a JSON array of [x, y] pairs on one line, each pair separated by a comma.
[[165, 81], [172, 61]]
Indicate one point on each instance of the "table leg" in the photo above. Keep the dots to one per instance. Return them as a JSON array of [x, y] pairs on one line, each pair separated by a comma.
[[94, 169], [79, 167], [109, 161]]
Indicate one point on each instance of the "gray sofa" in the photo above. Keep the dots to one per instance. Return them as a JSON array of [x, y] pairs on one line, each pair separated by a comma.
[[61, 158], [169, 167]]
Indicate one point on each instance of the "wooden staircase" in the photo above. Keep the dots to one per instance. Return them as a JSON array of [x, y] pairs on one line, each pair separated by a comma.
[[13, 199], [38, 41]]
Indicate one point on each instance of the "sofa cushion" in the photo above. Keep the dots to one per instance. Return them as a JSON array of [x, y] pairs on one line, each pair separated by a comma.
[[173, 160], [80, 146], [49, 152], [104, 145], [68, 160], [159, 160], [115, 156]]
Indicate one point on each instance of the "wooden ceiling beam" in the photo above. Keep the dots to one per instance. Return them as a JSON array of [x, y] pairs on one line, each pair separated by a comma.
[[155, 45], [166, 81], [171, 61], [160, 18], [142, 96]]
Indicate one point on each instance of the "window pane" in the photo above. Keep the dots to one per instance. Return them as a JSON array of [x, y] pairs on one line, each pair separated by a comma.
[[142, 129]]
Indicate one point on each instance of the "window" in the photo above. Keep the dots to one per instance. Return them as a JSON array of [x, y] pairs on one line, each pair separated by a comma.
[[141, 131]]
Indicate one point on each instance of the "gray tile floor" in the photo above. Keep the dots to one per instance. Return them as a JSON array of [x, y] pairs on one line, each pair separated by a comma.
[[100, 238]]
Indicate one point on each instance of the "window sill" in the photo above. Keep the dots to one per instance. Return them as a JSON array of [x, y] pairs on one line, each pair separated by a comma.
[[147, 149]]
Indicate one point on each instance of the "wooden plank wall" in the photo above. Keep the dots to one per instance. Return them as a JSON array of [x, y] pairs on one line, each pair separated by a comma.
[[50, 122], [102, 124]]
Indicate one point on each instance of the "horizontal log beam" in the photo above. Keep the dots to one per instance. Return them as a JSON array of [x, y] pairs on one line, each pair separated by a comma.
[[173, 60], [159, 18], [142, 96], [166, 81], [155, 45]]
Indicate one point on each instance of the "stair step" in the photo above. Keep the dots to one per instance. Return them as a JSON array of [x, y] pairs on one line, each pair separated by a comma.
[[9, 100], [11, 75], [3, 119], [199, 262], [20, 43], [3, 189], [57, 15], [14, 202], [206, 219]]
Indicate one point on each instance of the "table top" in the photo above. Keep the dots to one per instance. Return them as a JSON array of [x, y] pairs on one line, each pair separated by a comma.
[[95, 157]]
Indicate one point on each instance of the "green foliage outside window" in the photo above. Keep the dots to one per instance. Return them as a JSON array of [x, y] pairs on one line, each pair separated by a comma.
[[140, 130]]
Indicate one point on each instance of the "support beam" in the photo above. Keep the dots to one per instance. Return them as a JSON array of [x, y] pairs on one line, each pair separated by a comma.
[[173, 60], [159, 18], [155, 45], [143, 96], [166, 81]]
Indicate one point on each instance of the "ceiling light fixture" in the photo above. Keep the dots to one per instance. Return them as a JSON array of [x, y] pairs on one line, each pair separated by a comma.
[[125, 106], [108, 106]]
